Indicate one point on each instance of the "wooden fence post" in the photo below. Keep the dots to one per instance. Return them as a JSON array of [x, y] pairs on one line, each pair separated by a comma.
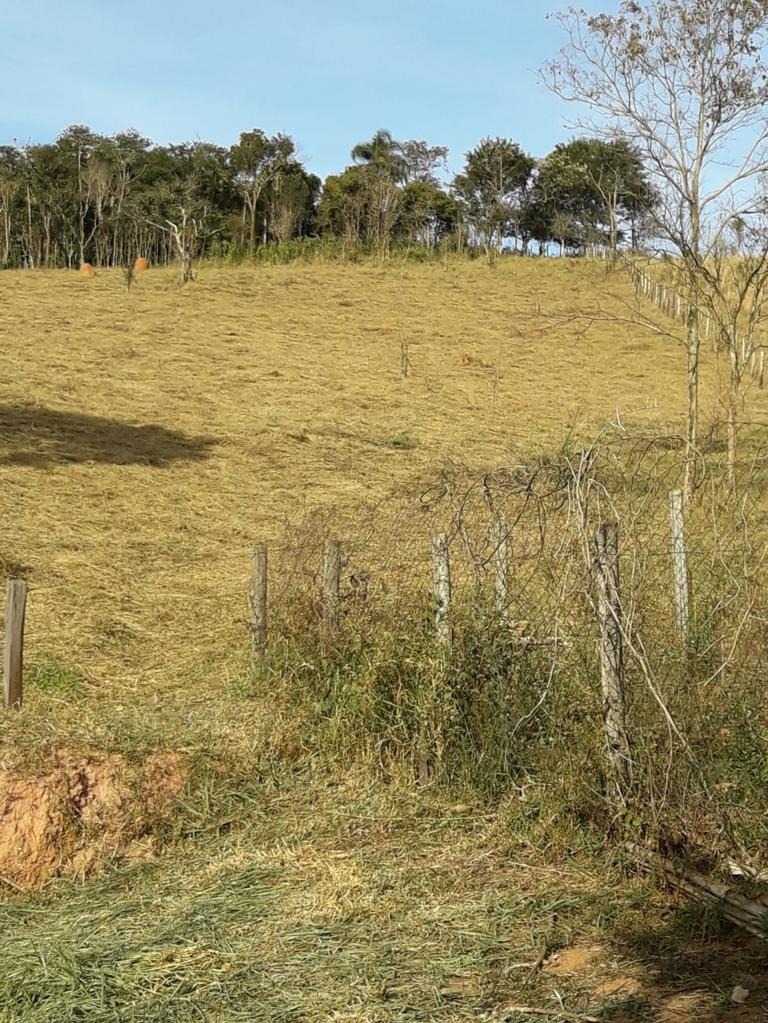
[[258, 602], [612, 655], [441, 563], [331, 586], [501, 564], [679, 561], [13, 659]]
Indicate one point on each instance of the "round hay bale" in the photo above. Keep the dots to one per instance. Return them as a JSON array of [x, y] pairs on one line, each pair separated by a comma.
[[86, 270], [141, 264]]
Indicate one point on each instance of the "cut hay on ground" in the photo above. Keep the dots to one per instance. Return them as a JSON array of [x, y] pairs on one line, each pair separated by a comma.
[[149, 436]]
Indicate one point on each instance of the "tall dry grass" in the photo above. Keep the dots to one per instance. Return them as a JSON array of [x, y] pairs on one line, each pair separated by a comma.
[[517, 699]]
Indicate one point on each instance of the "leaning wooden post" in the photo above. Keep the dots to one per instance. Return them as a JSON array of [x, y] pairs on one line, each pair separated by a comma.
[[13, 659], [501, 564], [258, 602], [331, 587], [679, 561], [609, 614], [441, 563]]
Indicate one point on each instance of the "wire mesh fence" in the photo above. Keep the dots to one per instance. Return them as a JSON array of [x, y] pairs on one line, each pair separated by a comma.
[[521, 548], [520, 641]]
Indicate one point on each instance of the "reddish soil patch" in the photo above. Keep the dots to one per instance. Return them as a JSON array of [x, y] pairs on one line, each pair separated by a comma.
[[83, 812], [35, 830], [575, 960]]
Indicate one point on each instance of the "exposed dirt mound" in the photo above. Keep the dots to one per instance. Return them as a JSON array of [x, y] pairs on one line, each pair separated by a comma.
[[164, 777], [574, 960], [84, 812], [98, 789], [35, 830]]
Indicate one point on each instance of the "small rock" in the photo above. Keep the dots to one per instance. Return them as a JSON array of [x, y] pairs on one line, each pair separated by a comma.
[[739, 995]]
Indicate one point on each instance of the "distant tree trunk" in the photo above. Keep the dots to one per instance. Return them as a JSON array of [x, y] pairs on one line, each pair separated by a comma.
[[30, 237], [733, 408], [693, 344], [252, 209], [47, 238], [613, 215], [6, 229]]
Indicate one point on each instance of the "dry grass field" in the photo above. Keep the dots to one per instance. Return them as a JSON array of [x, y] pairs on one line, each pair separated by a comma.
[[148, 437]]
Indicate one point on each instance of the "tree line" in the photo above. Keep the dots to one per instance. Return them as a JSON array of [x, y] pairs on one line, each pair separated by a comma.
[[89, 198]]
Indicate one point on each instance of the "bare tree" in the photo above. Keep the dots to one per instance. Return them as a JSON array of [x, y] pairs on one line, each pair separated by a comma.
[[187, 234], [684, 81]]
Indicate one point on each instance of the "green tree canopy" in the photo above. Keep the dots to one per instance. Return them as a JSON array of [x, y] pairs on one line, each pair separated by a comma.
[[492, 189]]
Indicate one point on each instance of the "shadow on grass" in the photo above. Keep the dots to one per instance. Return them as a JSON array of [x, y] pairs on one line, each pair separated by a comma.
[[692, 965], [40, 438]]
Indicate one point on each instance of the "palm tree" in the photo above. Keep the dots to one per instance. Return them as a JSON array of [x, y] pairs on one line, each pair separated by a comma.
[[385, 169], [384, 153]]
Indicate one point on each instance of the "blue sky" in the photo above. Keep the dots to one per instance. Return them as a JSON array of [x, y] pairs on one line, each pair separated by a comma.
[[329, 72]]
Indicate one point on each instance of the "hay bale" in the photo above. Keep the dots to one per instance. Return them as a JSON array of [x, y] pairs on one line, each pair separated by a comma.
[[141, 264], [86, 270]]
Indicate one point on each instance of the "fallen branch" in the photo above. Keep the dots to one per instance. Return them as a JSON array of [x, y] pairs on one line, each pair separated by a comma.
[[11, 884], [745, 913], [569, 1017]]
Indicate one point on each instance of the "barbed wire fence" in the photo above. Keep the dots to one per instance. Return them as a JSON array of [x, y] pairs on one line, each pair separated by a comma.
[[595, 590], [678, 308], [569, 623]]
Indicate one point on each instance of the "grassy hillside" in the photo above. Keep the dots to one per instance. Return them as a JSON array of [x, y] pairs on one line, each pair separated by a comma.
[[200, 856], [148, 437]]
